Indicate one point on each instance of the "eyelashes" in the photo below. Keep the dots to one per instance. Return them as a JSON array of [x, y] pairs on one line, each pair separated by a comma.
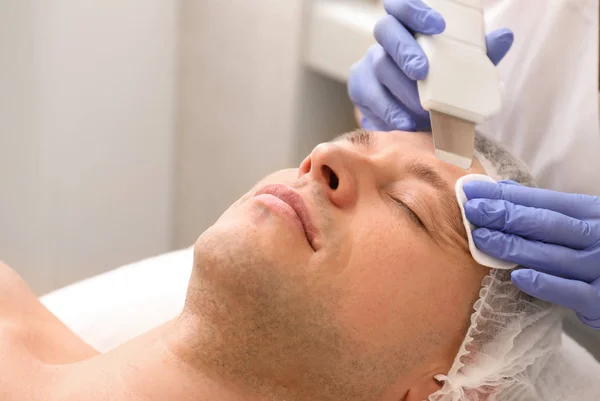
[[413, 216]]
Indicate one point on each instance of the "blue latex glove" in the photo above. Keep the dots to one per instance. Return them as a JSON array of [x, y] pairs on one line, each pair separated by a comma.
[[383, 84], [555, 235]]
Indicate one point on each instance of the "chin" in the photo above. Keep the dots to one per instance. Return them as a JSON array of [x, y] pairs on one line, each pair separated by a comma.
[[231, 247]]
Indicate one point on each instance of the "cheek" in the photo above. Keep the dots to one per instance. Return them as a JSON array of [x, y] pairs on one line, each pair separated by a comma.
[[386, 275], [397, 284]]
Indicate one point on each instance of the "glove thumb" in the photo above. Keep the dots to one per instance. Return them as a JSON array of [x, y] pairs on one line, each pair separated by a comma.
[[499, 43]]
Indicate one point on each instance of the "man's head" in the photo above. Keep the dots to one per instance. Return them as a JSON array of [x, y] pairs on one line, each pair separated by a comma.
[[348, 278]]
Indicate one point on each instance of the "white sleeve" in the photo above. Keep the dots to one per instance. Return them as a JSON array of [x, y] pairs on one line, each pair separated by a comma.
[[550, 109]]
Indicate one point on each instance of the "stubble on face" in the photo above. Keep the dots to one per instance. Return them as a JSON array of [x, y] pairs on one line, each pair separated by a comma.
[[269, 326]]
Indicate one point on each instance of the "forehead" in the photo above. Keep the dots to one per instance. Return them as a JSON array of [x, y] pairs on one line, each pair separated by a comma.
[[421, 141]]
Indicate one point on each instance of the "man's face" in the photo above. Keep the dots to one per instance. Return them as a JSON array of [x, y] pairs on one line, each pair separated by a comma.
[[352, 269]]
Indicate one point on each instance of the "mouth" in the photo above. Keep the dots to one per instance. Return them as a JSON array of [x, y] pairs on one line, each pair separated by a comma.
[[295, 201]]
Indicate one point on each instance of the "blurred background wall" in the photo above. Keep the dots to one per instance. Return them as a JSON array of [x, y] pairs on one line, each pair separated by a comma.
[[239, 78], [87, 126]]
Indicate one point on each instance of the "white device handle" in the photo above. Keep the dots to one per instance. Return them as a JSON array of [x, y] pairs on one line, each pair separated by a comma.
[[462, 81]]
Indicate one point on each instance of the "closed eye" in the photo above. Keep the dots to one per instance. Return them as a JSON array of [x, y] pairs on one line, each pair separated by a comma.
[[413, 216]]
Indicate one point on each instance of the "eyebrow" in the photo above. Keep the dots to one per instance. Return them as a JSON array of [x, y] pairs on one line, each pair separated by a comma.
[[359, 137], [426, 173]]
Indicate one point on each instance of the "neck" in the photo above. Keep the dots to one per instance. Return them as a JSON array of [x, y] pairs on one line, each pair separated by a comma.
[[153, 367]]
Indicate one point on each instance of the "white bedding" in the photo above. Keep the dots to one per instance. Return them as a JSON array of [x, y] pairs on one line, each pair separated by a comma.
[[114, 307], [110, 309]]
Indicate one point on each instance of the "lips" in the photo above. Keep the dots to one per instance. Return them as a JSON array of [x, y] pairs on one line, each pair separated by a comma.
[[295, 201]]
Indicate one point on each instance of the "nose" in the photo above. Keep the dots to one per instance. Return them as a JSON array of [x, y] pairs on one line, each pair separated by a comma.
[[331, 166]]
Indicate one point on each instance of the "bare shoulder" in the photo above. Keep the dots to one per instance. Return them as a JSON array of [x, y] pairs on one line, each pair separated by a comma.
[[33, 342], [17, 300], [11, 285], [26, 324]]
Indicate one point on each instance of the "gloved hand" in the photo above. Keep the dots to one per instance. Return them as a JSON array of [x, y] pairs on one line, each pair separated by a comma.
[[555, 235], [383, 84]]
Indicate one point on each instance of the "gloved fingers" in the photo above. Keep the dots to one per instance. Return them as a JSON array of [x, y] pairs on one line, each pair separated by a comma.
[[372, 123], [422, 123], [373, 100], [499, 43], [416, 15], [572, 294], [574, 205], [402, 87], [368, 121], [509, 182], [402, 48], [593, 323], [531, 223], [359, 83], [547, 258]]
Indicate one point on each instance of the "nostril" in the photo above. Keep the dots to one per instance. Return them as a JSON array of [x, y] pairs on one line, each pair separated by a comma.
[[334, 182], [305, 167], [331, 177]]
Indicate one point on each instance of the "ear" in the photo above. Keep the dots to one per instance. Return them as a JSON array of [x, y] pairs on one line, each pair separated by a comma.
[[421, 389]]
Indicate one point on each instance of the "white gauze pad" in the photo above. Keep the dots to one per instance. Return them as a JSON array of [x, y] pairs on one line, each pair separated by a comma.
[[480, 257]]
